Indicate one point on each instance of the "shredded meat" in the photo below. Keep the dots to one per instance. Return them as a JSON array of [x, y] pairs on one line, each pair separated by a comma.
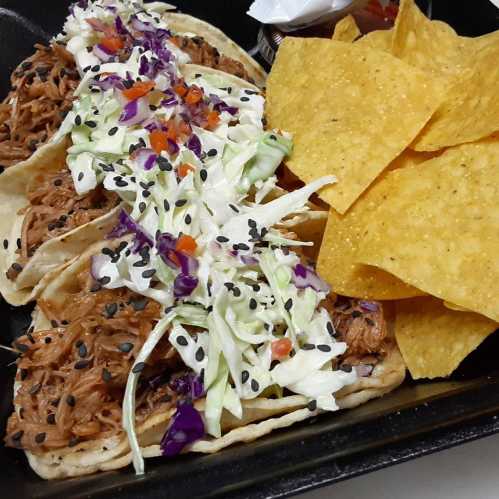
[[73, 376], [56, 209], [201, 52], [41, 95], [363, 330]]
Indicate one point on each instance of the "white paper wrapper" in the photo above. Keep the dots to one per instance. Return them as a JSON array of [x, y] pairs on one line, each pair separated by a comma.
[[290, 15]]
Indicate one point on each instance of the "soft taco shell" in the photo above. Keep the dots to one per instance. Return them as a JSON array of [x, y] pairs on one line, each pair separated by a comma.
[[183, 24], [53, 254], [260, 416]]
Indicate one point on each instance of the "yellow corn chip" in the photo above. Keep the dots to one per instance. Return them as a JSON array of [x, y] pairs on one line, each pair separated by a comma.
[[343, 104], [337, 262], [438, 229], [346, 30], [471, 108], [430, 45], [380, 40], [433, 339]]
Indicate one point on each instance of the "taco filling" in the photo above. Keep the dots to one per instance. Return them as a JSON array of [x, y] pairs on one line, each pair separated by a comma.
[[41, 95]]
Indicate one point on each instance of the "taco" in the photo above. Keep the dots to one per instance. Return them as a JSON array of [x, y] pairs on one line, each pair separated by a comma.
[[88, 341]]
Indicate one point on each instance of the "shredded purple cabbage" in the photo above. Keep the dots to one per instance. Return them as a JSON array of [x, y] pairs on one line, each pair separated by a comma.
[[126, 225], [135, 112], [146, 158], [186, 427], [190, 385], [305, 277], [184, 285], [221, 106], [112, 81], [369, 306], [194, 144], [120, 27], [173, 147]]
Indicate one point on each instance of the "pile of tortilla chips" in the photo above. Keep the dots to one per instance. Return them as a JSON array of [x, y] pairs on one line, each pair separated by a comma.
[[407, 119]]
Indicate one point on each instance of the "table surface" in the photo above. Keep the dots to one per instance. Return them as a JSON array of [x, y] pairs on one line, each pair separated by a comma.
[[464, 472]]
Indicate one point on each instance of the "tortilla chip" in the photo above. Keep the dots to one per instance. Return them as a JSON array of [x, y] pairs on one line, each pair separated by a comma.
[[429, 45], [337, 262], [342, 104], [433, 339], [346, 30], [438, 229], [380, 40], [471, 108]]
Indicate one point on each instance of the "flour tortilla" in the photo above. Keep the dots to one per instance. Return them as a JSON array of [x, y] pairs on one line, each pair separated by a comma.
[[260, 416], [52, 255], [183, 24]]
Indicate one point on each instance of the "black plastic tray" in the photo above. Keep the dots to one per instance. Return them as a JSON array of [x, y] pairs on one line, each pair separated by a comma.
[[417, 419]]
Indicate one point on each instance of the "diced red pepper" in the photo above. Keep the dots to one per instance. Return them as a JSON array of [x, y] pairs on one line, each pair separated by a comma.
[[158, 140], [194, 95], [112, 43], [184, 169], [213, 117], [180, 89], [186, 244], [281, 348], [139, 89]]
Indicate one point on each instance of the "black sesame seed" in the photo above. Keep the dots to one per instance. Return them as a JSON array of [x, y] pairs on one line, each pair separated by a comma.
[[5, 243], [82, 350], [200, 354], [70, 400], [78, 120], [330, 329], [182, 341], [86, 68], [164, 164], [356, 314], [18, 243], [148, 273], [324, 348], [111, 309], [139, 367], [95, 68], [48, 340], [244, 376], [80, 176], [128, 83], [18, 435], [234, 208], [312, 405], [251, 222], [107, 168], [166, 205], [236, 291], [82, 364], [264, 232], [64, 322], [256, 287], [35, 389], [255, 386], [57, 182], [40, 438], [54, 323], [188, 219], [288, 304], [244, 99], [73, 441], [203, 174], [90, 124], [229, 285], [22, 347], [140, 263], [125, 347], [222, 239], [273, 364], [95, 287], [106, 375], [180, 202], [112, 131], [211, 153], [105, 280], [51, 418], [347, 368], [308, 346], [51, 226], [122, 183], [252, 304], [146, 193], [107, 251], [243, 246]]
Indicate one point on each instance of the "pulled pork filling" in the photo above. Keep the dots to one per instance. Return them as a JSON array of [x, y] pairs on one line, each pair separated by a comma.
[[72, 377], [41, 95], [55, 209], [362, 326], [204, 54]]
